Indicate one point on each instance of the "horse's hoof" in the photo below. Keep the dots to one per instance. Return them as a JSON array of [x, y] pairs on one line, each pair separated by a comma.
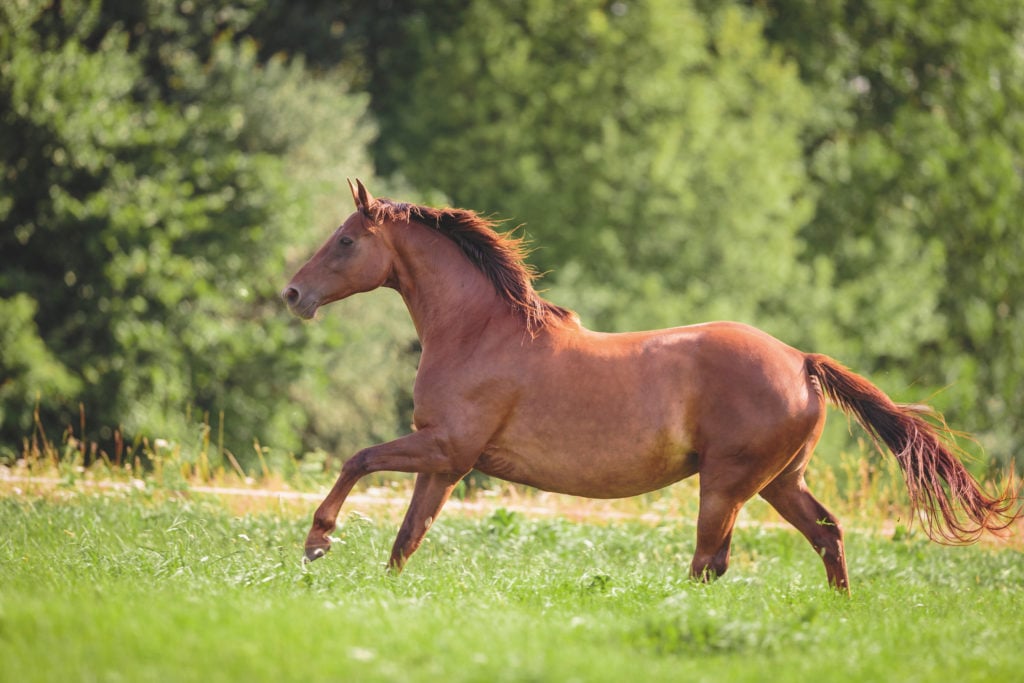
[[313, 554]]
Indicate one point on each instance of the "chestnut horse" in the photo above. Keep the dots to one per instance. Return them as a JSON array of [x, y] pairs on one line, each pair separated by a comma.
[[514, 386]]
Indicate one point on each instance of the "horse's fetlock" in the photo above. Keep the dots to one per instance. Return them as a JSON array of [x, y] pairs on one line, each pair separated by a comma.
[[707, 569]]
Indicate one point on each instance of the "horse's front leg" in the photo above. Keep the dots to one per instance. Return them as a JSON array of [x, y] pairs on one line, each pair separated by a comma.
[[431, 493], [417, 452]]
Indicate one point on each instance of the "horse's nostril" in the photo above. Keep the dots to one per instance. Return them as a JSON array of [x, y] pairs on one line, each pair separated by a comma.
[[290, 296]]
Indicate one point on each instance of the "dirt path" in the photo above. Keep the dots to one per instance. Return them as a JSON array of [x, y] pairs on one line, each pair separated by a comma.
[[651, 509], [679, 506]]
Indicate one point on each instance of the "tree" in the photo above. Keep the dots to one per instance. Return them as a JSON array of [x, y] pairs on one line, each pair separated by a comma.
[[150, 193], [653, 153], [917, 152]]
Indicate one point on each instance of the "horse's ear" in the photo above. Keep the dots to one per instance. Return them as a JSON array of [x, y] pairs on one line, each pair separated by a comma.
[[364, 199], [355, 194]]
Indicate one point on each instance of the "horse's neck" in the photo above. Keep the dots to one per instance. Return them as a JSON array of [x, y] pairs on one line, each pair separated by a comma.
[[448, 298]]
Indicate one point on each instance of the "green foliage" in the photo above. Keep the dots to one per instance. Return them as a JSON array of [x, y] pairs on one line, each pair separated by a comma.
[[28, 368], [148, 219], [360, 393], [846, 175], [650, 150], [916, 154]]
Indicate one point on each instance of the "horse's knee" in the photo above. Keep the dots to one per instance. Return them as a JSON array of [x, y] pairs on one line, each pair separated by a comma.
[[356, 466]]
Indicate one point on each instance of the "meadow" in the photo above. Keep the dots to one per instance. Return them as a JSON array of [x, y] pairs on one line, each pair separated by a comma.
[[148, 584]]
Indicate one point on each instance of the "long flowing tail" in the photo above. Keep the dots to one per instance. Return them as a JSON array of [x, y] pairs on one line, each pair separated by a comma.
[[955, 508]]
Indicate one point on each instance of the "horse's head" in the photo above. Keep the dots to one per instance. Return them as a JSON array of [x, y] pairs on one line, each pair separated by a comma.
[[356, 258]]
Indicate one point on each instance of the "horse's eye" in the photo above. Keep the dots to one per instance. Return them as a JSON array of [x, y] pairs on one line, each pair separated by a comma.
[[345, 241]]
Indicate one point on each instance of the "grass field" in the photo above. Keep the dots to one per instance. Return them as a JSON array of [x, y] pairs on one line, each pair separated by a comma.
[[144, 586]]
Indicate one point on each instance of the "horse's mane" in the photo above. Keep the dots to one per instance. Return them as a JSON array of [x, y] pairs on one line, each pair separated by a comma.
[[499, 256]]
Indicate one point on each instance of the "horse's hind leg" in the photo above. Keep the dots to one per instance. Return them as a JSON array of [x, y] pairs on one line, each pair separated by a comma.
[[714, 534], [789, 495], [726, 483], [431, 493], [729, 477]]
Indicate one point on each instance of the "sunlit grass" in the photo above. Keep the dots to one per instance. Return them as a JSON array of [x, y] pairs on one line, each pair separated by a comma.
[[139, 585], [141, 567]]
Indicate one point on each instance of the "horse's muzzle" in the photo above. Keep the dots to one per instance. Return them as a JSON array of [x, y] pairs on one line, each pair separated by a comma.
[[293, 297]]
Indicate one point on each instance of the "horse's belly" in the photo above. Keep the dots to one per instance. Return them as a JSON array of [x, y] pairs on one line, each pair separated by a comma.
[[597, 471]]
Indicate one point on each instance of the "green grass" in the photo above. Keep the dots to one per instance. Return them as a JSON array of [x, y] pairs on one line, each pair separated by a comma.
[[137, 587]]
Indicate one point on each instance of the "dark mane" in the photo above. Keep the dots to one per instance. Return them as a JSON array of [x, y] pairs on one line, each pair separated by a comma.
[[499, 256]]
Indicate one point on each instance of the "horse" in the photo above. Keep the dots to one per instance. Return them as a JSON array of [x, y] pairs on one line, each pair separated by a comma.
[[514, 386]]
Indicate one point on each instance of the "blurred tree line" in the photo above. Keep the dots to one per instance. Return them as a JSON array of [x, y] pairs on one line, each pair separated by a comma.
[[846, 175]]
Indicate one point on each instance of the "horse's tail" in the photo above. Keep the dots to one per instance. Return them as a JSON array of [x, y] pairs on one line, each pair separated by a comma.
[[955, 508]]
